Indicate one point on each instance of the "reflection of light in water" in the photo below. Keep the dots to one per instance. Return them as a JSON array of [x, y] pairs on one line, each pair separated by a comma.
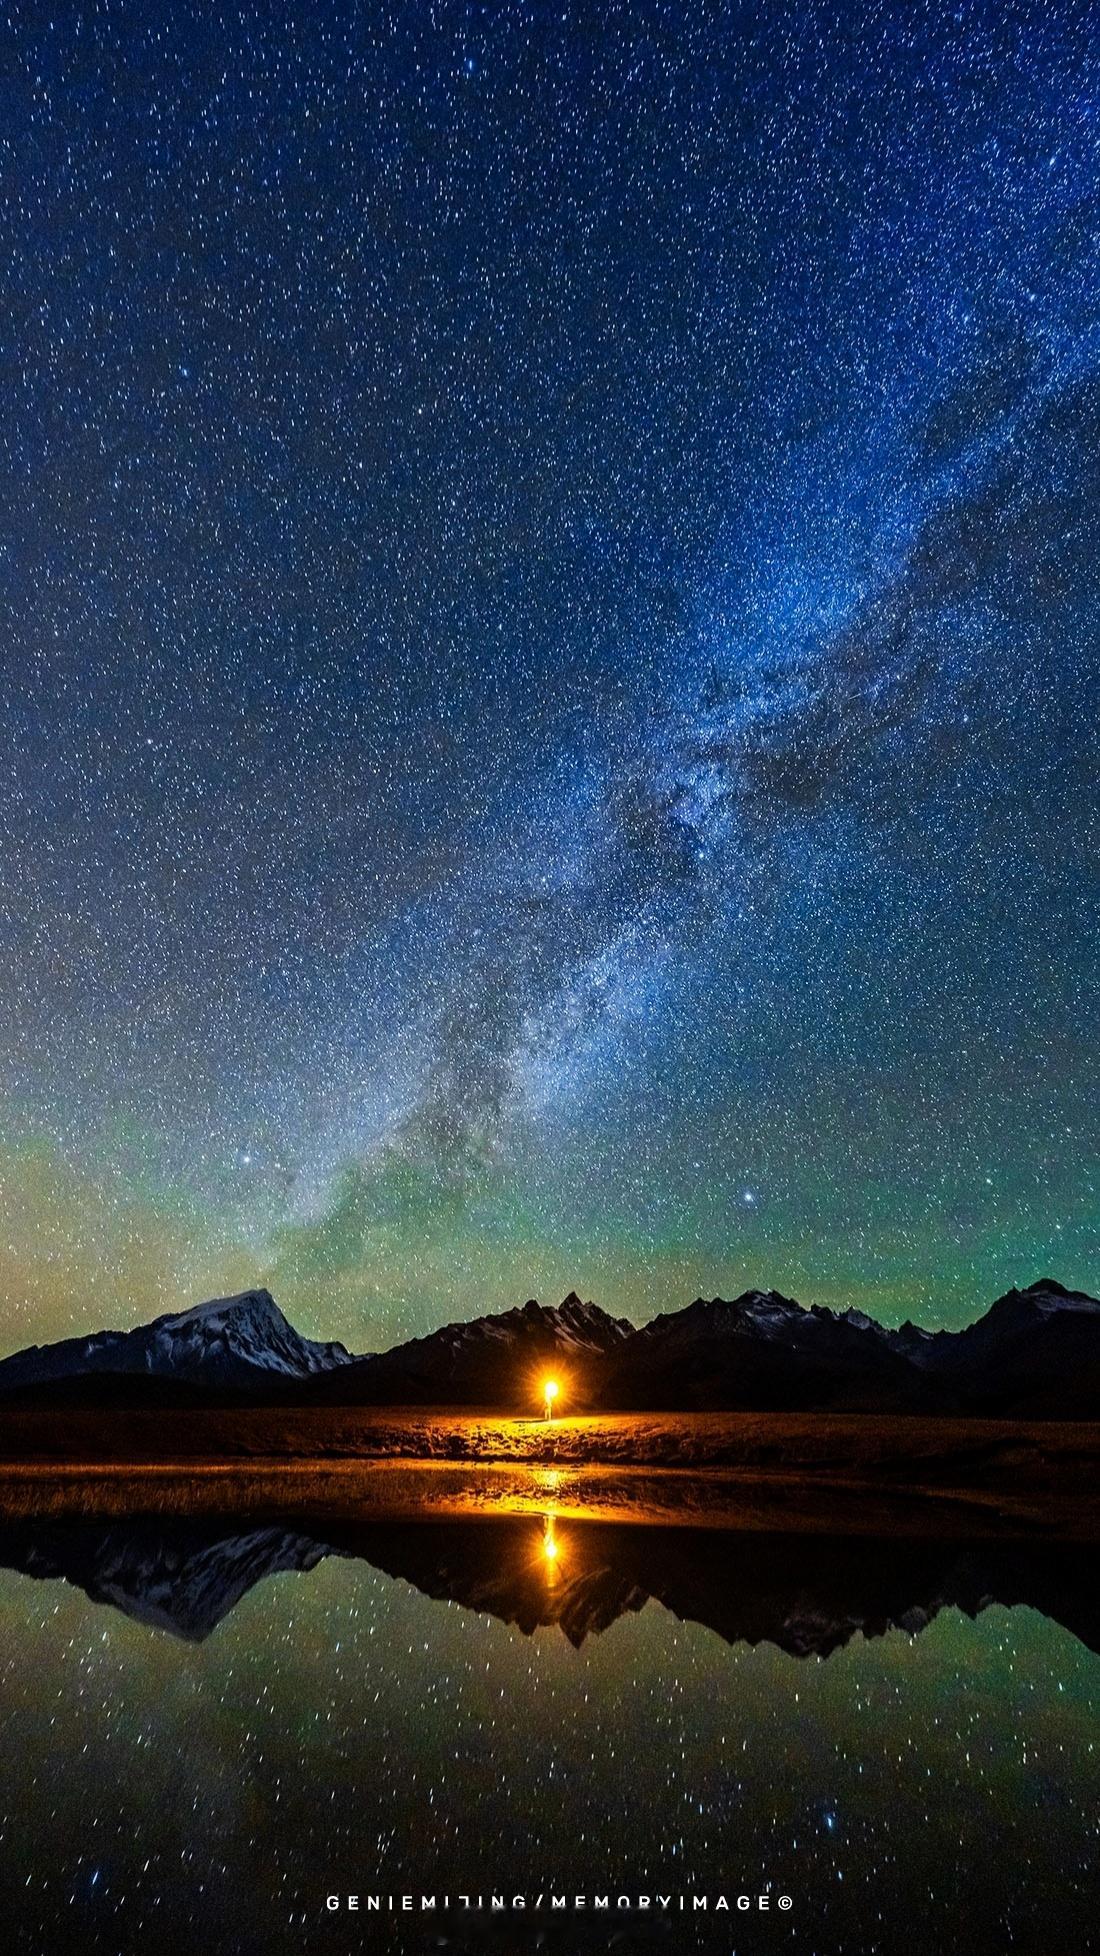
[[550, 1547], [548, 1479]]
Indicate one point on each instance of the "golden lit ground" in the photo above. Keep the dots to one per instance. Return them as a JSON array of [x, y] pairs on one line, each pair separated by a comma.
[[849, 1443], [731, 1470]]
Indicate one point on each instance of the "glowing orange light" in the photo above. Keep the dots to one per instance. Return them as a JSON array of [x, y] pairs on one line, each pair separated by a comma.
[[549, 1543], [549, 1394]]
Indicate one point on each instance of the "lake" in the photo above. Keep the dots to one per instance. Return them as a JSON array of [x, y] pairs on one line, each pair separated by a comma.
[[261, 1713]]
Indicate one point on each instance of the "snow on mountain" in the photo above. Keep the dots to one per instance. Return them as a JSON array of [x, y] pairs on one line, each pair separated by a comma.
[[229, 1342], [1042, 1300]]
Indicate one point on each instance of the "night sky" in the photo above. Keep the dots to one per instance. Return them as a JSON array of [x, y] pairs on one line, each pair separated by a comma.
[[548, 645]]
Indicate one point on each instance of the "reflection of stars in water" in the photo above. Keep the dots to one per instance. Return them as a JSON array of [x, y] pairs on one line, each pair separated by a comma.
[[383, 1737]]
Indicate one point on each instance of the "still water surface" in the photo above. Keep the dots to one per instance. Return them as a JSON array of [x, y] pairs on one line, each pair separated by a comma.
[[252, 1717]]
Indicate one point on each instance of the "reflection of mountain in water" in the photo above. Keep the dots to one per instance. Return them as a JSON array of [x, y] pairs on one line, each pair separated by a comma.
[[808, 1595], [182, 1576]]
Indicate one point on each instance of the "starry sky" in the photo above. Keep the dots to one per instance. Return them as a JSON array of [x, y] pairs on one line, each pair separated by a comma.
[[548, 649]]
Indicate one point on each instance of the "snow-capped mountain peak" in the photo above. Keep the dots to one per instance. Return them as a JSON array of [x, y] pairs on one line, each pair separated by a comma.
[[1048, 1297], [256, 1303], [233, 1342]]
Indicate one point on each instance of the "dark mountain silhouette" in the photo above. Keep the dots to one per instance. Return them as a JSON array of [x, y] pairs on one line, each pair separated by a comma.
[[763, 1352], [1034, 1354], [490, 1361], [808, 1595]]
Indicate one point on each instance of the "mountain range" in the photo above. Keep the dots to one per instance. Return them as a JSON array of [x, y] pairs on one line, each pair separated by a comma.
[[1035, 1353]]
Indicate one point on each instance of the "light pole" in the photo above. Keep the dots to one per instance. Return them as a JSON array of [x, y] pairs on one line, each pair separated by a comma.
[[549, 1394]]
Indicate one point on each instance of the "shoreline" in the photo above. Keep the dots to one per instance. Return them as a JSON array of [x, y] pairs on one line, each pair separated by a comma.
[[714, 1498], [845, 1473]]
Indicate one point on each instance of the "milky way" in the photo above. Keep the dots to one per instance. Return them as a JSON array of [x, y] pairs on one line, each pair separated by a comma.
[[550, 634]]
